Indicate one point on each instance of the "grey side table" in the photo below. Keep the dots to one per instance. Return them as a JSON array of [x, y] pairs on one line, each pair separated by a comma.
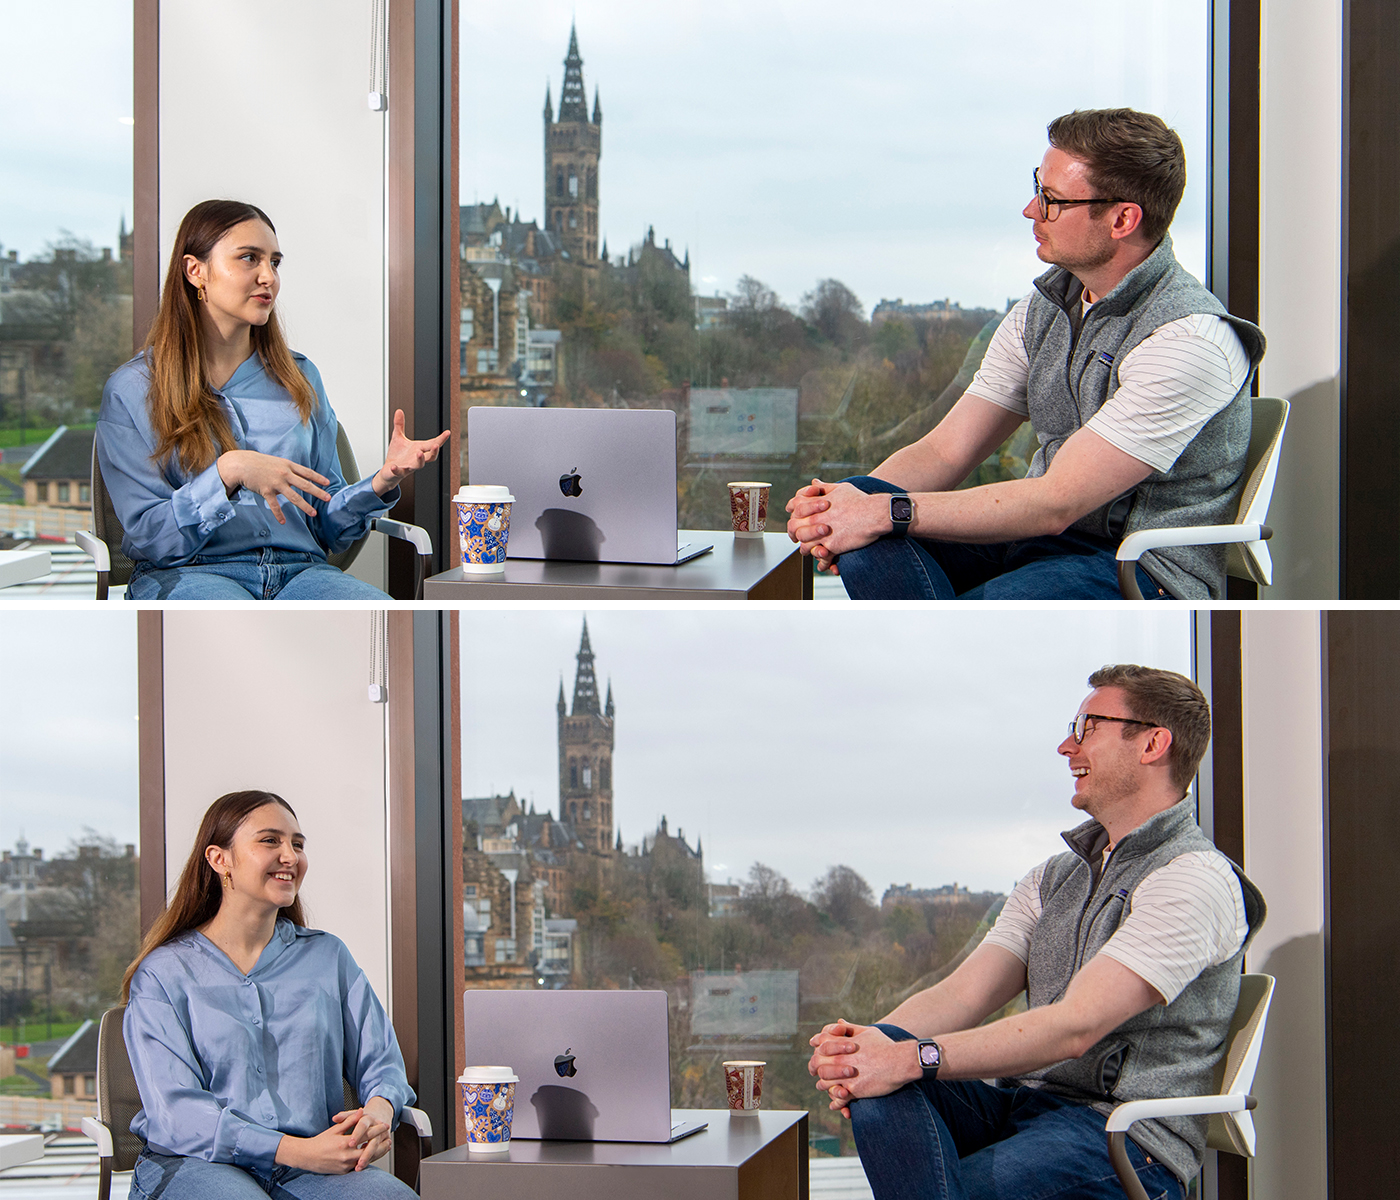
[[762, 1156], [769, 568]]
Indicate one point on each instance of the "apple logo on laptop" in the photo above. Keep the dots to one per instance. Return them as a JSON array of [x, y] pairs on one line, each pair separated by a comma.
[[571, 484], [564, 1064]]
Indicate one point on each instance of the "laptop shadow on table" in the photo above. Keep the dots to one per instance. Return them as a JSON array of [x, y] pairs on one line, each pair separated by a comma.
[[565, 1114], [570, 535]]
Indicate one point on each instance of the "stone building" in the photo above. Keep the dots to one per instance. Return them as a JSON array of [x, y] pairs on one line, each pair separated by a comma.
[[585, 757], [573, 144]]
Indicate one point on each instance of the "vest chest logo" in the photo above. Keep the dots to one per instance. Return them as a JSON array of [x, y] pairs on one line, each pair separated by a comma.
[[1106, 358]]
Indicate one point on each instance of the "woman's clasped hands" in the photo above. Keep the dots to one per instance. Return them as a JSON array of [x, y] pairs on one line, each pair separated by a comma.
[[357, 1138]]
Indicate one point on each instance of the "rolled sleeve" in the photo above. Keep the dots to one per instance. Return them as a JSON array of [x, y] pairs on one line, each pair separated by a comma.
[[162, 523], [179, 1115], [373, 1061]]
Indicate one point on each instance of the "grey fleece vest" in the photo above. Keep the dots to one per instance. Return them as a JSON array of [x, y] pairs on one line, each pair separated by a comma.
[[1070, 378], [1168, 1050]]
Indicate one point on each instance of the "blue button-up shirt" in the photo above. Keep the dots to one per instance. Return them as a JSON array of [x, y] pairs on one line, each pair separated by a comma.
[[226, 1063], [170, 515]]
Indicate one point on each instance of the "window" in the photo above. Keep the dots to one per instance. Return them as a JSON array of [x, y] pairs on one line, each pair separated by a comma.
[[587, 776], [69, 824], [708, 877], [66, 257], [85, 493], [64, 491], [89, 1085], [826, 339]]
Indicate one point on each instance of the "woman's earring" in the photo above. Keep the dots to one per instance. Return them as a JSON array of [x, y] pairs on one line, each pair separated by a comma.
[[228, 880], [203, 299]]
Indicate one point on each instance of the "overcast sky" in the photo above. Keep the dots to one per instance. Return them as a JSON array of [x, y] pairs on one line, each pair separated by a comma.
[[888, 145], [68, 724], [915, 746]]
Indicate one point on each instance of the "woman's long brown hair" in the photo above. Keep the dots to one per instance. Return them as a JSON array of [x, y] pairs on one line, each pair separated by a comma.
[[199, 893], [188, 418]]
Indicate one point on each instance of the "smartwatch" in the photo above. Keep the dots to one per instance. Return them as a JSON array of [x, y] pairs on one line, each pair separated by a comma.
[[901, 513], [930, 1058]]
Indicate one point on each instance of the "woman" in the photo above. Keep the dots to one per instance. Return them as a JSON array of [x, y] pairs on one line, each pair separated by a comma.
[[241, 1025], [217, 442]]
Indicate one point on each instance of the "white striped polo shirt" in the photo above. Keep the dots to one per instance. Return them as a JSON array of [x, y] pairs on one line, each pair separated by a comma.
[[1169, 385], [1186, 916]]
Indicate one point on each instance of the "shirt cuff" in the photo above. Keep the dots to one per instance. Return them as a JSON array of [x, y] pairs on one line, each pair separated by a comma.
[[257, 1147], [203, 502], [362, 500]]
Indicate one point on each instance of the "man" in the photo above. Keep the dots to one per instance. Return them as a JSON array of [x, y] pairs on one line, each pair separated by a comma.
[[1132, 375], [1128, 948]]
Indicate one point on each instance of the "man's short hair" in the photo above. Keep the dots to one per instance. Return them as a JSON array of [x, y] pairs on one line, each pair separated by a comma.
[[1167, 699], [1130, 154]]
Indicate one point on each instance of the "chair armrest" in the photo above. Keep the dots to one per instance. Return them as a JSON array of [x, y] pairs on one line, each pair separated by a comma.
[[1135, 545], [408, 533], [100, 1134], [95, 548], [418, 1119], [1175, 1106]]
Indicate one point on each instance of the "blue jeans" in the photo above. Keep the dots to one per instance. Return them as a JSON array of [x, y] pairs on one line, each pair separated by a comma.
[[257, 575], [170, 1177], [973, 1141], [1068, 566]]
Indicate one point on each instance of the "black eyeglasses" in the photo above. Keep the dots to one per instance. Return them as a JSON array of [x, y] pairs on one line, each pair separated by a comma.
[[1080, 724], [1046, 203]]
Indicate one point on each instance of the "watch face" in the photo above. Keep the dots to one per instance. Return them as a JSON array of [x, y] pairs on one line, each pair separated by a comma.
[[901, 509], [928, 1055]]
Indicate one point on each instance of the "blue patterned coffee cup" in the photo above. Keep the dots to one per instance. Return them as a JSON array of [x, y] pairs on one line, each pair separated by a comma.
[[488, 1103], [483, 527]]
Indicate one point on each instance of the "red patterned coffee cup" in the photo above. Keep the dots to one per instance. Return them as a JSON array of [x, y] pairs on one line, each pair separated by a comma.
[[743, 1085], [748, 508]]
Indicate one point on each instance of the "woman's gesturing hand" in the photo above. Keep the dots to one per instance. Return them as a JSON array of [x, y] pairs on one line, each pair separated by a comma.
[[405, 456], [372, 1129], [272, 477]]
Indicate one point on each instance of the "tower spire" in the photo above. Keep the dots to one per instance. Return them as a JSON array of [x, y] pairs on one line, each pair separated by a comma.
[[597, 108], [548, 103], [585, 683], [573, 99]]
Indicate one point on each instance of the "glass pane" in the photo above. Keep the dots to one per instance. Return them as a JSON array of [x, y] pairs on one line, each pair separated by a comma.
[[65, 260], [776, 818], [69, 881], [795, 231]]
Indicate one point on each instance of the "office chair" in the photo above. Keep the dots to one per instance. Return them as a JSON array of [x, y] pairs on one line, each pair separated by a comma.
[[1231, 1126], [104, 543], [1248, 557], [118, 1102]]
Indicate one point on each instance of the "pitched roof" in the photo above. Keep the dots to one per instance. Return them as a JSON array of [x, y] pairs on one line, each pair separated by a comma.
[[78, 1054], [66, 455]]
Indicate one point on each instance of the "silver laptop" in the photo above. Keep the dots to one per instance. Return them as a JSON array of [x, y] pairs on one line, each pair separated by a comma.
[[593, 1066], [590, 484]]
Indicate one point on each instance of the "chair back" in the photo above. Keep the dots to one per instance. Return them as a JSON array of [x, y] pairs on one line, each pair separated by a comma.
[[118, 1101], [107, 527], [1234, 1132], [1250, 560], [350, 471]]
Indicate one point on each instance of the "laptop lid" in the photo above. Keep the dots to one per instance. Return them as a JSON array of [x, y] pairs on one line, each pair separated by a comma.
[[590, 484], [616, 1044]]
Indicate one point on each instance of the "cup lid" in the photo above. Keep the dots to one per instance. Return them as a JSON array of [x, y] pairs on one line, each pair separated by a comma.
[[744, 1062], [483, 493], [487, 1075], [750, 485]]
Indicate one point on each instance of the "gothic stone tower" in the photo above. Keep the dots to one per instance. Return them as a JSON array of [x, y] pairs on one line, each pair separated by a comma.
[[585, 757], [572, 147]]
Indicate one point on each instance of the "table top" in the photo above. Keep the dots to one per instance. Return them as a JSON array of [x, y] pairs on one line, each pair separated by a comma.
[[19, 566], [16, 1148], [730, 1140], [729, 571]]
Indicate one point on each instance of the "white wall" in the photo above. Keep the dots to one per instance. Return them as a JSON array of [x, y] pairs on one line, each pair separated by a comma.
[[1300, 283], [1283, 766], [266, 101], [279, 701]]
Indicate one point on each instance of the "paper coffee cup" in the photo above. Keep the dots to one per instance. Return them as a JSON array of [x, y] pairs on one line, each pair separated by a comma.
[[748, 508], [483, 527], [743, 1084], [488, 1103]]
